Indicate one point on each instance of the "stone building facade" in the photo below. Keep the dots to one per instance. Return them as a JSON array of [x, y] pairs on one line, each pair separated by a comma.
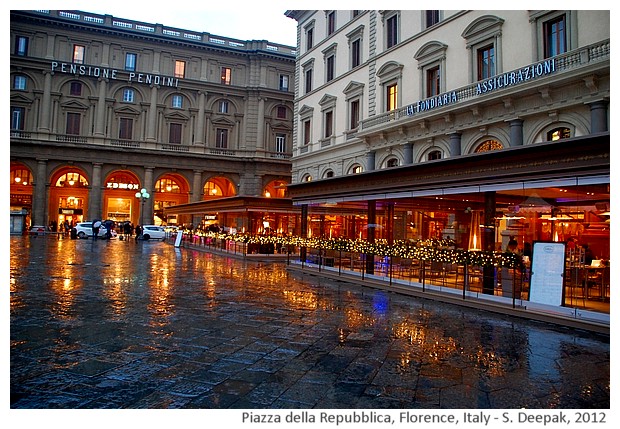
[[102, 107]]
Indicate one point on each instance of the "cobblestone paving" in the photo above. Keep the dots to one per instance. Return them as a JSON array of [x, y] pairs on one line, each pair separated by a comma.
[[124, 324]]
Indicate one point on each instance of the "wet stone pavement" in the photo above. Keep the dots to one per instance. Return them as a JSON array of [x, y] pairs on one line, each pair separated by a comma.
[[124, 324]]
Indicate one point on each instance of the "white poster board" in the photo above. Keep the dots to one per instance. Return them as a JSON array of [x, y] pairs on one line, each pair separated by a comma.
[[547, 274], [177, 242]]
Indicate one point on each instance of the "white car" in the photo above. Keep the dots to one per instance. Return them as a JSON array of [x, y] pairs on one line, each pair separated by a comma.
[[153, 232], [85, 230]]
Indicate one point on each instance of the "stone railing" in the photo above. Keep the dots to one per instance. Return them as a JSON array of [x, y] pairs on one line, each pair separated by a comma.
[[581, 57]]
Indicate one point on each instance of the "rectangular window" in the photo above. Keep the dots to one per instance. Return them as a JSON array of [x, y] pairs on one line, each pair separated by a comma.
[[392, 31], [179, 69], [21, 46], [221, 136], [331, 60], [73, 124], [355, 114], [175, 134], [331, 22], [226, 76], [76, 89], [281, 112], [486, 62], [283, 82], [128, 95], [17, 118], [555, 36], [19, 82], [391, 97], [306, 132], [433, 86], [130, 62], [177, 101], [309, 38], [281, 143], [223, 106], [125, 129], [329, 123], [78, 54], [432, 17], [356, 53], [308, 80]]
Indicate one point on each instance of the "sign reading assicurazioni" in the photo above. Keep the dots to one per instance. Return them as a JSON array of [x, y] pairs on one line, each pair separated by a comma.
[[485, 86], [108, 73]]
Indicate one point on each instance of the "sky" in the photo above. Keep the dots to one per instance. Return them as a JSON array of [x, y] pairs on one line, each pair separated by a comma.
[[251, 20]]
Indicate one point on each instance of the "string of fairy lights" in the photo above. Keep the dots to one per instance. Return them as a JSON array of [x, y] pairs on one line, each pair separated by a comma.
[[431, 250]]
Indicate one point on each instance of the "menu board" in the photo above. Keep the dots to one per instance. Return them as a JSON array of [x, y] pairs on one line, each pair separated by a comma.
[[547, 273]]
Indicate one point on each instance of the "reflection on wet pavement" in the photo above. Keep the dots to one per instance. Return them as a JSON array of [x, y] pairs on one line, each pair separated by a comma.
[[123, 324]]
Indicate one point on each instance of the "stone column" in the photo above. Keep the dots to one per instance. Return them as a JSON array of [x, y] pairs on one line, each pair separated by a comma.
[[260, 125], [39, 202], [151, 127], [408, 149], [370, 160], [101, 109], [46, 103], [200, 120], [455, 144], [598, 117], [197, 186], [95, 197], [516, 132]]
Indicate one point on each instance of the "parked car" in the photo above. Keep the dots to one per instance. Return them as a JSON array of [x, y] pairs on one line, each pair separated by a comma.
[[153, 232], [85, 230], [37, 230]]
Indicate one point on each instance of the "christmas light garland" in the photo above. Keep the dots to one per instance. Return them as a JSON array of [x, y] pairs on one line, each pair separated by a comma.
[[425, 250]]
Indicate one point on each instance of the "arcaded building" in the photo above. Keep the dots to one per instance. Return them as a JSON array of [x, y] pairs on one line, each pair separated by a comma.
[[102, 107]]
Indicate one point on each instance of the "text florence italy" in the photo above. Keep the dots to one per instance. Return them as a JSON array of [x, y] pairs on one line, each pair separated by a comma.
[[488, 85]]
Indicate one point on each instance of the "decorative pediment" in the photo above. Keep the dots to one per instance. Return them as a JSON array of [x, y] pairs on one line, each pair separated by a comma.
[[306, 111], [327, 101], [20, 98], [74, 105], [127, 110], [431, 49], [176, 116], [390, 67], [281, 126], [482, 28], [353, 88], [223, 121]]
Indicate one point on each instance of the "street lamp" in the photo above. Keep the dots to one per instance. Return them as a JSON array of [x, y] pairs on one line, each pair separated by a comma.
[[142, 196]]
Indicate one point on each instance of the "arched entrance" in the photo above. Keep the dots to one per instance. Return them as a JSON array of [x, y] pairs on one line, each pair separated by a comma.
[[20, 186], [275, 189], [218, 187], [68, 197], [170, 190], [119, 198]]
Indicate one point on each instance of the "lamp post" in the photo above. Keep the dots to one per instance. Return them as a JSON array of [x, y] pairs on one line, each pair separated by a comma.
[[142, 196]]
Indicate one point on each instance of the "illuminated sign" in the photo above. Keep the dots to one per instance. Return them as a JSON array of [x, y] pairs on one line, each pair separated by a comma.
[[516, 77], [116, 185], [107, 73]]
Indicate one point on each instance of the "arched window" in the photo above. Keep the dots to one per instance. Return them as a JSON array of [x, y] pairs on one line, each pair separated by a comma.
[[558, 133], [432, 155], [167, 185], [356, 169], [327, 174], [392, 162], [71, 179], [21, 176], [488, 146], [306, 178]]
